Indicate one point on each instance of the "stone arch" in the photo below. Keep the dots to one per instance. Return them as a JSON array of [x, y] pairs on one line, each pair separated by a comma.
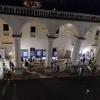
[[92, 43], [92, 32], [13, 22], [66, 38], [38, 24], [69, 30], [69, 27], [39, 40]]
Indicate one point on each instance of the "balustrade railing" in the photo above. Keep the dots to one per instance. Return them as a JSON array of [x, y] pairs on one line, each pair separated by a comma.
[[27, 11]]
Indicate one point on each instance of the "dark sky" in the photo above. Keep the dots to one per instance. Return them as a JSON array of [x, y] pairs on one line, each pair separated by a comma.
[[82, 6]]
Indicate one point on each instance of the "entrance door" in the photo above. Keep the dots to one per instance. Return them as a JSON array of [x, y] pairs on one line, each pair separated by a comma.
[[32, 53], [24, 54]]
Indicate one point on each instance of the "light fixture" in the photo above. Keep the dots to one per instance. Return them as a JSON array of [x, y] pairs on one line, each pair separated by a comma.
[[85, 50], [54, 9], [88, 32], [10, 53], [68, 31], [69, 25], [32, 3], [26, 3]]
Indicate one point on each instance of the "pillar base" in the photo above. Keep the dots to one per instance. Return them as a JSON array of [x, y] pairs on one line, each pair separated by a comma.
[[48, 69], [19, 71], [47, 65]]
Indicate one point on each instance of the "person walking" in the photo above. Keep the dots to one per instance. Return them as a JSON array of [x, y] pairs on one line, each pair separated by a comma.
[[11, 65]]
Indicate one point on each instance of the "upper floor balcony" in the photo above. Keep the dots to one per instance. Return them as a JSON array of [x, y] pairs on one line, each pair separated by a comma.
[[42, 13]]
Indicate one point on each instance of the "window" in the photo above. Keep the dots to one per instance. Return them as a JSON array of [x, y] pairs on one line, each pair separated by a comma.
[[32, 52], [57, 32], [33, 30], [24, 53], [54, 52], [5, 27], [38, 52], [97, 33], [44, 53]]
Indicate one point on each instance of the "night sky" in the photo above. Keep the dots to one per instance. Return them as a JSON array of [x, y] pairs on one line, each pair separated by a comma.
[[81, 6]]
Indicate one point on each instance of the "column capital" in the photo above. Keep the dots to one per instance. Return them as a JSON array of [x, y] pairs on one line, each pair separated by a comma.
[[17, 35], [80, 38], [51, 37]]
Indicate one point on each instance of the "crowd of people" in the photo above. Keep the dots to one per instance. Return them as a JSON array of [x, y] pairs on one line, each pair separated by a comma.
[[29, 64], [55, 66], [85, 61], [7, 68]]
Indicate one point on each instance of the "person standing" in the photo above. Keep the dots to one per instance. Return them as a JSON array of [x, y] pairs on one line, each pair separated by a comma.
[[8, 74], [26, 63], [83, 59], [82, 70], [57, 68], [10, 64]]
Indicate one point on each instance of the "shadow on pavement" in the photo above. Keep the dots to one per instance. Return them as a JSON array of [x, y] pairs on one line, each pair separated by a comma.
[[70, 88]]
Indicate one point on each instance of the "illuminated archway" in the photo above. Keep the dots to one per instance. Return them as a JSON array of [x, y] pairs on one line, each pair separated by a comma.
[[34, 35], [92, 39], [66, 39]]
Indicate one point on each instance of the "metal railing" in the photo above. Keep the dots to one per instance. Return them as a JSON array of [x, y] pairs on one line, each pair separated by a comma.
[[42, 13]]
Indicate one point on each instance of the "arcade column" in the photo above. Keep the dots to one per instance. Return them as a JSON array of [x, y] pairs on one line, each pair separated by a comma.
[[18, 67], [98, 55], [49, 51], [75, 55], [17, 52]]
